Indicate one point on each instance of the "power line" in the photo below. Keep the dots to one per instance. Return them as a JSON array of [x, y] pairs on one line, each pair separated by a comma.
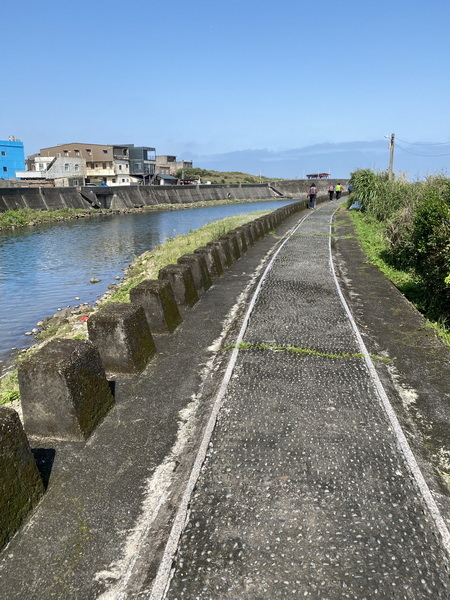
[[425, 143], [424, 155]]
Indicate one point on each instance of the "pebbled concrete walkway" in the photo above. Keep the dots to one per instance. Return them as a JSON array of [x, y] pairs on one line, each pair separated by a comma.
[[304, 486], [308, 488]]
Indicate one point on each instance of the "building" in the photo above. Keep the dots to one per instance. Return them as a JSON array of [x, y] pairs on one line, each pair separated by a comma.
[[107, 164], [60, 171], [142, 163], [168, 165], [12, 158], [163, 179], [318, 176]]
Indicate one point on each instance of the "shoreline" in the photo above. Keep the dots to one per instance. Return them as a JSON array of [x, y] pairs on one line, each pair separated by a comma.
[[61, 215], [71, 321]]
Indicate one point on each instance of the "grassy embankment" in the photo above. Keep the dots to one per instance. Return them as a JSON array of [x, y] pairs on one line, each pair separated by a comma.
[[143, 267], [11, 219], [27, 216], [225, 177], [403, 229]]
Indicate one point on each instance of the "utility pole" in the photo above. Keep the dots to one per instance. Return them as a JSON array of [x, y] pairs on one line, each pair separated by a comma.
[[391, 157]]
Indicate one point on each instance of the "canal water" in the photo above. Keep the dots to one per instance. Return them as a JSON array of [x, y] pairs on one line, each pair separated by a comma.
[[48, 267]]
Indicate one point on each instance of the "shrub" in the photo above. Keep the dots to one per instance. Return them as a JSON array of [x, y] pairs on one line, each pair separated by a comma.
[[430, 246]]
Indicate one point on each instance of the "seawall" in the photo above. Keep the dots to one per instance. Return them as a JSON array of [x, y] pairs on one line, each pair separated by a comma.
[[136, 196]]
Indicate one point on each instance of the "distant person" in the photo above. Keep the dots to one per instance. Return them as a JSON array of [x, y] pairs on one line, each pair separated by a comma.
[[312, 195], [350, 187], [338, 190], [331, 191]]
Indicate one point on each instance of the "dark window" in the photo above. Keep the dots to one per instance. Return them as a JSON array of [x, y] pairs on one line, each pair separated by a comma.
[[5, 169]]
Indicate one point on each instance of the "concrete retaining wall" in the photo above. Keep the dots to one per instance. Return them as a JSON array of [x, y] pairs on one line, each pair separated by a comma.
[[298, 188], [124, 197]]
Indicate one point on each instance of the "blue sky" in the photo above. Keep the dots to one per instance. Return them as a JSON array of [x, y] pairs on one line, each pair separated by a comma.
[[273, 87]]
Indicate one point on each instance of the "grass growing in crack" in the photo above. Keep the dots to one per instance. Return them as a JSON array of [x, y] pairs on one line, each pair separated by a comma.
[[298, 350], [9, 388]]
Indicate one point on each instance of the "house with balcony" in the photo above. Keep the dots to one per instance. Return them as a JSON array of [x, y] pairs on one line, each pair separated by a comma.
[[142, 164], [55, 171], [108, 164], [12, 157]]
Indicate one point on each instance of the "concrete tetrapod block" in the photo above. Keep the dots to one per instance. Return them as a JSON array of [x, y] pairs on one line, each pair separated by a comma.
[[20, 483], [212, 258], [199, 270], [121, 334], [234, 246], [223, 251], [64, 390], [247, 231], [240, 238], [182, 282], [157, 299]]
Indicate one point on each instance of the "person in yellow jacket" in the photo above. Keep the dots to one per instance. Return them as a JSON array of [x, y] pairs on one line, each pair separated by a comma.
[[338, 189]]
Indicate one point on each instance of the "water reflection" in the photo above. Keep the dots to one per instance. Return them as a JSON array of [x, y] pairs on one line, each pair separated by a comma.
[[46, 267]]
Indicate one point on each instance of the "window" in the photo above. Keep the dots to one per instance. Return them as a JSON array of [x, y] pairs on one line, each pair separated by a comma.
[[89, 151], [75, 182], [120, 167], [3, 153], [113, 180], [103, 165], [66, 153], [77, 168], [123, 180], [77, 152], [66, 167], [5, 169], [105, 151]]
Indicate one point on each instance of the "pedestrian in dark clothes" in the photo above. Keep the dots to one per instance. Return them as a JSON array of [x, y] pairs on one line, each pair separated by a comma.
[[312, 195]]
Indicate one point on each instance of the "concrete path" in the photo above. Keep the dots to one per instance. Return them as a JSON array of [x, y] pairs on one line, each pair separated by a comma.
[[305, 485], [309, 488]]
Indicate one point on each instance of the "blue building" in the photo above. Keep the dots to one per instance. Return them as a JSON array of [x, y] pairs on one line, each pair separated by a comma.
[[12, 158]]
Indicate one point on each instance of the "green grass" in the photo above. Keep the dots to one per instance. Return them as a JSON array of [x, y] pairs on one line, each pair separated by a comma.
[[143, 267], [26, 216], [9, 388], [148, 264], [371, 236]]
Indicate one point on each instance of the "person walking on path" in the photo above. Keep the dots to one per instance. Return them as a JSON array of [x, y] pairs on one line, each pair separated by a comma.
[[331, 191], [338, 190], [312, 194]]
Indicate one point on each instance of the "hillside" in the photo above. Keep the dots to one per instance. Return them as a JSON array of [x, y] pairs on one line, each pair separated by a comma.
[[221, 177]]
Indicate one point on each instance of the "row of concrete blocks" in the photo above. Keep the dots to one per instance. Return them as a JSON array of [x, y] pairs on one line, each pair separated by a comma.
[[64, 389]]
